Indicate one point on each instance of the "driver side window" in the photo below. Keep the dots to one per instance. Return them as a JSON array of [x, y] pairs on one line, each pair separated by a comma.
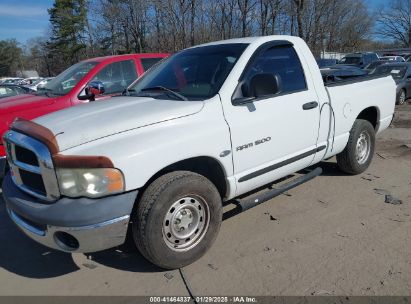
[[283, 63], [117, 76]]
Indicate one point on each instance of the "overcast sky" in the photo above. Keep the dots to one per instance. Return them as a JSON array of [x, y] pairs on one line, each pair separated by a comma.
[[27, 19]]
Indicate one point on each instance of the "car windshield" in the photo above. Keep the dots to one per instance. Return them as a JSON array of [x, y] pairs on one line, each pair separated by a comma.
[[7, 91], [67, 80], [192, 74], [350, 60], [397, 72]]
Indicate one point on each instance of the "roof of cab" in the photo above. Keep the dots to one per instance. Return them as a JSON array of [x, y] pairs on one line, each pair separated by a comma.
[[251, 40], [127, 56]]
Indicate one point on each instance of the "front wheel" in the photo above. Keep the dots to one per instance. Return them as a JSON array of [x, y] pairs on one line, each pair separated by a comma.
[[357, 155], [177, 219]]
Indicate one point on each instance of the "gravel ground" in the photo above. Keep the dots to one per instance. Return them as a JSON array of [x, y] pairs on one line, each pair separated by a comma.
[[334, 235]]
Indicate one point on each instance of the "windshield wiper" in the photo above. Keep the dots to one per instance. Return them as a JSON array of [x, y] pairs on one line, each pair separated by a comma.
[[127, 92], [161, 88]]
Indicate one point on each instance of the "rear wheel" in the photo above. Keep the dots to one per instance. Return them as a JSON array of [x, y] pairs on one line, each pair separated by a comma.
[[401, 97], [177, 219], [357, 155]]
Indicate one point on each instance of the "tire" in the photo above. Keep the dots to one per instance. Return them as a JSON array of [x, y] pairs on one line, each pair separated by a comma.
[[177, 219], [355, 161], [401, 97]]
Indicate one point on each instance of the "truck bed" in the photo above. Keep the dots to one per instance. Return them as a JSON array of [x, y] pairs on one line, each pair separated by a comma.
[[350, 80], [349, 97]]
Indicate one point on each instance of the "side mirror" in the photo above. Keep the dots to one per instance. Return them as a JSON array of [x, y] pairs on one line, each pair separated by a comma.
[[260, 85], [92, 90], [264, 84]]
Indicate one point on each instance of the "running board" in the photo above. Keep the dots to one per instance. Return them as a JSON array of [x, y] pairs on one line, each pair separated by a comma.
[[253, 200]]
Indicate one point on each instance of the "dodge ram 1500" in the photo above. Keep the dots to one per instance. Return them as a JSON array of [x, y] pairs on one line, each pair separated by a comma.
[[209, 124]]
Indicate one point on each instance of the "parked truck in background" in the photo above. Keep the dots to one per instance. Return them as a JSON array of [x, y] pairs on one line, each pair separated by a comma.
[[112, 74], [207, 125]]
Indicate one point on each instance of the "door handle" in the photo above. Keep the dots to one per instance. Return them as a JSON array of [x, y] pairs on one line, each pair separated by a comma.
[[310, 105]]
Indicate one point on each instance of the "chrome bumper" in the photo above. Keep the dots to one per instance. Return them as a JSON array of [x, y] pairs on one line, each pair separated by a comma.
[[90, 238], [71, 225]]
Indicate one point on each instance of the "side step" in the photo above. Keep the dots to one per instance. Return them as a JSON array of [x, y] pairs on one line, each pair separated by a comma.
[[253, 200]]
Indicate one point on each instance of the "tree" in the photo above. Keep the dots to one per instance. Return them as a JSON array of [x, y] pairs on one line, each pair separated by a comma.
[[246, 7], [335, 25], [267, 16], [299, 7], [134, 21], [68, 20], [394, 22], [113, 27], [10, 57], [349, 23], [38, 56]]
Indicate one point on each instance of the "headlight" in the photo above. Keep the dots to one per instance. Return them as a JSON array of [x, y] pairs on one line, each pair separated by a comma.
[[90, 182]]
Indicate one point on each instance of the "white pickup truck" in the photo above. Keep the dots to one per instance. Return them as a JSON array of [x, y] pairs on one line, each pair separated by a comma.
[[207, 125]]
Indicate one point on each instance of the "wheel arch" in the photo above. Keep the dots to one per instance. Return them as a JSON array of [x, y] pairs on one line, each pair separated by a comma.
[[372, 115], [207, 166]]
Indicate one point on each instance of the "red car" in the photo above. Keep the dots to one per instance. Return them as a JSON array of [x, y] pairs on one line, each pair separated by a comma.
[[92, 79]]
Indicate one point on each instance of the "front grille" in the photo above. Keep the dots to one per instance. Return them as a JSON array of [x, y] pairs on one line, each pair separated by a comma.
[[26, 156], [31, 166], [33, 181]]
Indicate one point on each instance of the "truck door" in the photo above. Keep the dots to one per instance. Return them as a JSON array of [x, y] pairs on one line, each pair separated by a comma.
[[275, 135]]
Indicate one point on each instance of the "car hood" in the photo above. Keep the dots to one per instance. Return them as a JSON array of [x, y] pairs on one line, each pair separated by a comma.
[[84, 123], [23, 103]]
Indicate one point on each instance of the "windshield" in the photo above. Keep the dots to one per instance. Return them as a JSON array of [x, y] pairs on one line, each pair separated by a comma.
[[6, 91], [397, 72], [192, 74], [350, 60], [67, 80]]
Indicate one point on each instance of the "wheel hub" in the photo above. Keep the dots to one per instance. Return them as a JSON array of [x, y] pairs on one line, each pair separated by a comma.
[[183, 220], [402, 97], [363, 148], [185, 223]]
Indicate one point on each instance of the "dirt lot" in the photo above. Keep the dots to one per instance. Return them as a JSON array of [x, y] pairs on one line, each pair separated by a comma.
[[332, 236]]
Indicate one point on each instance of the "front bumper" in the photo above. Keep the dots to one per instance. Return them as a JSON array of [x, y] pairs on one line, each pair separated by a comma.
[[90, 238], [71, 225]]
